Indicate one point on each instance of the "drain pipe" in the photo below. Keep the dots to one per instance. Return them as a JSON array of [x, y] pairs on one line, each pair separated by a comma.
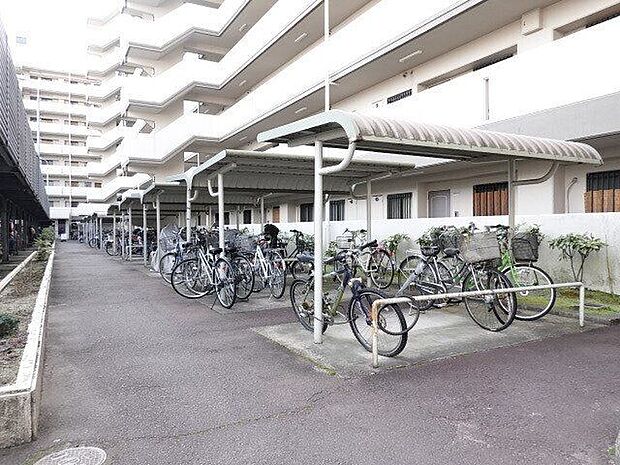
[[189, 198], [567, 195]]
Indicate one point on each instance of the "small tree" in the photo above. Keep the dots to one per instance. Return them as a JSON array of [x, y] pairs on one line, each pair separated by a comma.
[[577, 248], [43, 243], [8, 325]]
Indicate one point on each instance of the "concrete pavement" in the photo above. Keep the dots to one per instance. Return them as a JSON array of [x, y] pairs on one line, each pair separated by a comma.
[[155, 379]]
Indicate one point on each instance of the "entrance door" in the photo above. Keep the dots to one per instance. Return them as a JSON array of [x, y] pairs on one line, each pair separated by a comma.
[[275, 215], [439, 204]]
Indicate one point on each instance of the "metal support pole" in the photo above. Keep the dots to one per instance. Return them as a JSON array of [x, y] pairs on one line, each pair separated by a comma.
[[237, 218], [158, 217], [144, 248], [130, 232], [512, 177], [318, 242], [188, 210], [582, 304], [369, 210], [114, 233], [100, 233], [220, 209], [123, 246], [262, 214]]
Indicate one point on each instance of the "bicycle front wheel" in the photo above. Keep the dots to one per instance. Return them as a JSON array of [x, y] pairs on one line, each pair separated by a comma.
[[531, 305], [224, 280], [277, 275], [494, 312], [166, 264], [381, 268], [302, 301], [392, 319]]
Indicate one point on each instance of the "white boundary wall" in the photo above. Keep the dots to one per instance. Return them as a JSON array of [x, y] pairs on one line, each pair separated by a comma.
[[602, 268]]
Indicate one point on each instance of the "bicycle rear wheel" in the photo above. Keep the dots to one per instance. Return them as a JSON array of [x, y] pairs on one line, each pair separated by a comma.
[[531, 305], [302, 301], [277, 275], [392, 318], [189, 279], [491, 312], [381, 268], [300, 270], [244, 276]]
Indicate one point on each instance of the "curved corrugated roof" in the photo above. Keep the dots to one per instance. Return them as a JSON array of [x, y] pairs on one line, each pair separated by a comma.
[[337, 128]]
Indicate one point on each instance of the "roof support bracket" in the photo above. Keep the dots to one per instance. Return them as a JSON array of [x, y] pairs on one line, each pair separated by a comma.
[[545, 177]]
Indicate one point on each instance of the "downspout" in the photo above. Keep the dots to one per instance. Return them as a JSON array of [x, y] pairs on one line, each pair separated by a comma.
[[567, 198]]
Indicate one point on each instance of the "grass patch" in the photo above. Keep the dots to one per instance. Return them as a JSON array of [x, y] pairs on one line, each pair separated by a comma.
[[568, 299]]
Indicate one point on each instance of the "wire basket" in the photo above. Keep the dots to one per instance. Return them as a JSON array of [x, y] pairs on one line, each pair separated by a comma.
[[245, 243], [449, 240], [479, 247], [525, 247], [344, 241]]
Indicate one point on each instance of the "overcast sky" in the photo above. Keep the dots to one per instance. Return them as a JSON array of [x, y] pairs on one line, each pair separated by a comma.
[[56, 29]]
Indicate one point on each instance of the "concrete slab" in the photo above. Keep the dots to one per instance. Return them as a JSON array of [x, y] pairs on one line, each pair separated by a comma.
[[439, 334]]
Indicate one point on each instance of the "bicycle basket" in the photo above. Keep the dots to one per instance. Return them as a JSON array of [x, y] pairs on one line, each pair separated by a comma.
[[344, 241], [449, 240], [479, 247], [525, 247], [245, 243]]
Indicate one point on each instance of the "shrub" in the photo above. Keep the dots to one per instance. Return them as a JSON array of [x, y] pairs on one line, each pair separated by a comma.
[[44, 242], [577, 248], [393, 242], [8, 325]]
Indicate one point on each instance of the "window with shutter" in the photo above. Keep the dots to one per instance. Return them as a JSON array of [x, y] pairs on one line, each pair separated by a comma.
[[602, 192], [336, 210], [491, 199], [306, 212]]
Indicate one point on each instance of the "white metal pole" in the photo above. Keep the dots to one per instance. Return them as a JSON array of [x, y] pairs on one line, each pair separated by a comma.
[[188, 210], [158, 217], [100, 233], [511, 192], [130, 232], [318, 242], [144, 236], [220, 209], [237, 218], [114, 233], [262, 214], [326, 52], [123, 246], [582, 304], [369, 210]]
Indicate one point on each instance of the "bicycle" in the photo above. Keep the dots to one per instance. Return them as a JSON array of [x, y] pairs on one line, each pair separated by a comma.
[[204, 274], [475, 273], [358, 312], [302, 244], [518, 253], [370, 258], [269, 269], [109, 245]]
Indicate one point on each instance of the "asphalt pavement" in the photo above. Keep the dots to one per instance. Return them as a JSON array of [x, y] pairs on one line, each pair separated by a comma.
[[152, 378]]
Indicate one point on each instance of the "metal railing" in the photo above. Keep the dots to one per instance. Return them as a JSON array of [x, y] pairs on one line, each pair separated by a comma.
[[378, 304]]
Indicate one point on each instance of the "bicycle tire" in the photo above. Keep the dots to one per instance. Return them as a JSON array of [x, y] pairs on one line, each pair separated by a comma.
[[496, 312], [359, 316], [548, 302], [301, 270], [277, 275], [244, 276], [224, 280], [304, 310], [185, 279], [166, 264], [384, 260]]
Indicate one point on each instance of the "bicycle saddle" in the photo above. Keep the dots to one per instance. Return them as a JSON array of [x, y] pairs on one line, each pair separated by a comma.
[[429, 250], [305, 258], [215, 251], [369, 244], [451, 251]]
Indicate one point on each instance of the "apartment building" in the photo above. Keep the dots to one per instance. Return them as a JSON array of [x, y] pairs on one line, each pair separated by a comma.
[[58, 109], [182, 80]]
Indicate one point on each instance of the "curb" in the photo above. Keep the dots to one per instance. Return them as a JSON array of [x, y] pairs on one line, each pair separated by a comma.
[[610, 320], [20, 401], [9, 277]]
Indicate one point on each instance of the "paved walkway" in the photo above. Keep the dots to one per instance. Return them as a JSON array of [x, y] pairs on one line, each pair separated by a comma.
[[155, 379]]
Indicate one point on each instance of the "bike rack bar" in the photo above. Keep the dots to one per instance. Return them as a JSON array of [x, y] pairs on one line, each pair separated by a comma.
[[114, 233], [144, 235], [378, 304]]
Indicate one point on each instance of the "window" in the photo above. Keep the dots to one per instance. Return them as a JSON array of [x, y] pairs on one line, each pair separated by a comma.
[[602, 192], [247, 216], [275, 215], [336, 210], [21, 40], [97, 184], [226, 217], [399, 206], [491, 199], [306, 212]]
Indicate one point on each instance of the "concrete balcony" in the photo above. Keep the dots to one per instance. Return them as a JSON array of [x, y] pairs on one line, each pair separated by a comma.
[[537, 79], [56, 86], [104, 167], [60, 213], [61, 191], [64, 171], [105, 64], [216, 29], [118, 185], [270, 44], [57, 108], [61, 149], [107, 113], [59, 129], [107, 88], [106, 140]]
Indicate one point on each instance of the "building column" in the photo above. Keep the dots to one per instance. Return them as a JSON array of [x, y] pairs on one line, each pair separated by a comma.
[[4, 228]]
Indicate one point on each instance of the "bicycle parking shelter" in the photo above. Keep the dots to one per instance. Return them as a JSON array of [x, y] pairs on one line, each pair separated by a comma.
[[392, 138]]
